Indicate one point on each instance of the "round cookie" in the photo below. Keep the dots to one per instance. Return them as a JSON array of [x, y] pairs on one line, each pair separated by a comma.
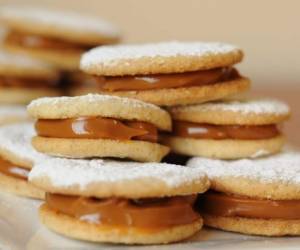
[[65, 35], [274, 179], [12, 114], [105, 179], [228, 129], [150, 62], [18, 156], [261, 111], [108, 107], [23, 79]]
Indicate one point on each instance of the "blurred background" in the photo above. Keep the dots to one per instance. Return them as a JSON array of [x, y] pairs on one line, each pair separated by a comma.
[[268, 32]]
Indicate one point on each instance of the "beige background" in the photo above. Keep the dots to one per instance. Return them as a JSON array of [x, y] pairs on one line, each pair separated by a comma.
[[267, 30]]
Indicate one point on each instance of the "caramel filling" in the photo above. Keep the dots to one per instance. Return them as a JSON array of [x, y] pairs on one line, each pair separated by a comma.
[[10, 169], [143, 213], [95, 128], [8, 81], [42, 42], [158, 81], [220, 204], [219, 132]]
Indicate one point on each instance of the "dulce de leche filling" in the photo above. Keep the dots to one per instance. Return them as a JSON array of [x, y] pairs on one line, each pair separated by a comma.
[[142, 213], [42, 42], [155, 81], [220, 204], [96, 128], [219, 132], [10, 169]]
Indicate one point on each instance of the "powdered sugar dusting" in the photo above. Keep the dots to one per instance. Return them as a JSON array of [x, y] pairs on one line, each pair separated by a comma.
[[60, 19], [13, 110], [17, 140], [90, 98], [109, 55], [246, 106], [283, 167], [68, 172]]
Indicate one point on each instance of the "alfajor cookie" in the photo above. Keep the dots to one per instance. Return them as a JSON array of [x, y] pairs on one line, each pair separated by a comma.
[[16, 159], [165, 74], [23, 79], [13, 114], [119, 202], [259, 196], [229, 129], [54, 36], [99, 126]]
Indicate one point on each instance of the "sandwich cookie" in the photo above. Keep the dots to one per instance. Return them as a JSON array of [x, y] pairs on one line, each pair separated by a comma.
[[16, 159], [119, 202], [23, 79], [56, 37], [230, 129], [99, 126], [13, 114], [259, 196], [165, 74]]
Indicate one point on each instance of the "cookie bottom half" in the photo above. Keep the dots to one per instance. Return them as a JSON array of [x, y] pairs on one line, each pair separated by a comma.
[[85, 148], [224, 149], [20, 187], [74, 228], [265, 227]]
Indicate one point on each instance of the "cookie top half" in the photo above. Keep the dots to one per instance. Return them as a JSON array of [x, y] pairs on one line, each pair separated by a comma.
[[65, 25], [237, 112], [274, 177], [15, 65], [158, 58], [15, 144], [99, 178], [99, 105]]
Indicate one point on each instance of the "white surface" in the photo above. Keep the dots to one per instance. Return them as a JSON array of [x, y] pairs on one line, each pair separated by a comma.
[[20, 229]]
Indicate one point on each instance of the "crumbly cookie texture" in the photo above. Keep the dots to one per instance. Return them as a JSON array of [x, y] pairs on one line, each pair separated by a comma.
[[241, 112], [269, 227], [66, 25], [155, 58], [142, 151], [101, 178], [228, 149], [16, 65], [99, 105], [15, 144], [77, 229], [274, 177]]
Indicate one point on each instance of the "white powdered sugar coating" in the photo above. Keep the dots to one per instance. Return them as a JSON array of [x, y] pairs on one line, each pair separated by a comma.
[[283, 167], [17, 61], [246, 106], [12, 111], [90, 98], [68, 172], [16, 139], [109, 55], [60, 19]]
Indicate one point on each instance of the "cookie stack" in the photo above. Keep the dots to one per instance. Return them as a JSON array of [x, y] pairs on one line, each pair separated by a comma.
[[104, 200], [226, 132]]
